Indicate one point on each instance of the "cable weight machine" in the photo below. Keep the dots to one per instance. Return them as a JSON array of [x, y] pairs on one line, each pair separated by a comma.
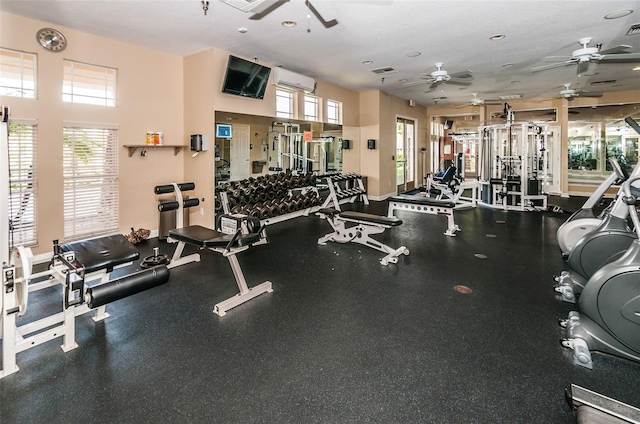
[[514, 165]]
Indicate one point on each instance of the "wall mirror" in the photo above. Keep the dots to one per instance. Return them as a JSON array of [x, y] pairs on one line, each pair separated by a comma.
[[260, 145]]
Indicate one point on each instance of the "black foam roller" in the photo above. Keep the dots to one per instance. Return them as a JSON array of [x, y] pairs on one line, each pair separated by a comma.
[[191, 202], [168, 206], [126, 286], [163, 189]]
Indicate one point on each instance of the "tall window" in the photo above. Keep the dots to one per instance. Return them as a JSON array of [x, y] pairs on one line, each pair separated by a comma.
[[311, 108], [17, 74], [334, 112], [22, 186], [284, 104], [88, 84], [90, 170]]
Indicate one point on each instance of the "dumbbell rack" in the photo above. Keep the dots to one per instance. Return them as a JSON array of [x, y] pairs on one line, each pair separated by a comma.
[[344, 188], [271, 198]]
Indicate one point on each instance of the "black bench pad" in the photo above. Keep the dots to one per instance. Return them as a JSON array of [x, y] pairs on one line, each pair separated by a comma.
[[102, 252], [422, 201], [206, 237], [367, 217]]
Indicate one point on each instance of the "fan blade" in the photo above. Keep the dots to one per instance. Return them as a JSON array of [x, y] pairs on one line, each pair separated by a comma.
[[415, 83], [263, 9], [621, 58], [458, 82], [552, 66], [462, 74], [326, 24], [583, 67], [557, 58], [584, 94], [619, 49], [433, 86]]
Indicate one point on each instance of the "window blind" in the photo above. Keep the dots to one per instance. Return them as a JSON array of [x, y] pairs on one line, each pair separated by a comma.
[[90, 171], [22, 183]]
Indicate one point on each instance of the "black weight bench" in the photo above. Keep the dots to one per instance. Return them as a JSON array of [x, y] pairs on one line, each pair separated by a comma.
[[229, 245], [422, 204], [362, 225]]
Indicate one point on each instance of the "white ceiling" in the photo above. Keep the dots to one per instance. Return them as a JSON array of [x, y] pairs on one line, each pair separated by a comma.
[[455, 32]]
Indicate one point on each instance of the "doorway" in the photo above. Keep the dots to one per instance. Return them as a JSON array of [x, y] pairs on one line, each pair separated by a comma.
[[239, 153], [405, 154]]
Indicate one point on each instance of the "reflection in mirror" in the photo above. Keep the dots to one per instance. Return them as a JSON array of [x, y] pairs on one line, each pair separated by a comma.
[[597, 133], [263, 145], [530, 115]]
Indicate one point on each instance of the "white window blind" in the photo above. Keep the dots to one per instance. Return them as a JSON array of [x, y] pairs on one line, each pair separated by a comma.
[[22, 183], [311, 108], [17, 73], [334, 112], [90, 170], [284, 104], [88, 84]]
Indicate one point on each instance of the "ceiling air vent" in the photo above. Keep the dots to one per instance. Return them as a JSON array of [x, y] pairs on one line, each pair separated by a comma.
[[510, 97], [384, 71], [634, 30], [607, 82]]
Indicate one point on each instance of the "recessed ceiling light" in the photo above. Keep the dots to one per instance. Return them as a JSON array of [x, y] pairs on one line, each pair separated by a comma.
[[507, 65], [367, 62], [497, 37], [403, 80], [515, 82], [413, 54], [242, 30], [619, 14], [288, 24], [637, 68]]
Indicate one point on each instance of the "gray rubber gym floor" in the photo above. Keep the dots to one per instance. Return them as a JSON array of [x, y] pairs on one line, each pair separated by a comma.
[[342, 339]]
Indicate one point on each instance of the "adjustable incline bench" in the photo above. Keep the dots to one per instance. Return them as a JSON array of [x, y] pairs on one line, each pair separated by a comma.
[[422, 204], [244, 232], [362, 225], [72, 266]]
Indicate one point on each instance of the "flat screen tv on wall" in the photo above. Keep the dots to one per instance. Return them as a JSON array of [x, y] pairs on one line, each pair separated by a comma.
[[244, 78]]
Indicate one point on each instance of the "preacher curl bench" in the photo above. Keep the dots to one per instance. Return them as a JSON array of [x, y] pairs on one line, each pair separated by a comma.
[[362, 225]]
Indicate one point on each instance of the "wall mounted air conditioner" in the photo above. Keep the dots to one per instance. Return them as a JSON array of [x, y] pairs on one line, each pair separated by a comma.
[[252, 6], [291, 80]]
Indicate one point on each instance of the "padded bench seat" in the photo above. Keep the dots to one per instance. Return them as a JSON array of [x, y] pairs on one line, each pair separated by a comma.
[[203, 237], [373, 219], [422, 200], [102, 252]]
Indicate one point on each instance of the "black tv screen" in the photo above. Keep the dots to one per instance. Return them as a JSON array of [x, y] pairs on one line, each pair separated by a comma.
[[244, 78]]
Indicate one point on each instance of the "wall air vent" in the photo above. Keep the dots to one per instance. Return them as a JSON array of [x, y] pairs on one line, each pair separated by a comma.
[[607, 82], [511, 97], [384, 71], [634, 30]]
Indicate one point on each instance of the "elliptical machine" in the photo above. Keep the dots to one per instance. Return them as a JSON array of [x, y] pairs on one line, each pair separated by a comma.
[[604, 244], [584, 220], [609, 317]]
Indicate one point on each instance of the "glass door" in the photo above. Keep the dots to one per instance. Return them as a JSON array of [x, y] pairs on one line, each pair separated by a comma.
[[405, 148]]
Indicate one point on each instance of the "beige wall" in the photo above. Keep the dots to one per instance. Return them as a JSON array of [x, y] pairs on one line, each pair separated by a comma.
[[150, 98]]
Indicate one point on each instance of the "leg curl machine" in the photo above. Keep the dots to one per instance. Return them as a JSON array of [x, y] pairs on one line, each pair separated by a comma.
[[362, 226], [237, 233], [72, 266]]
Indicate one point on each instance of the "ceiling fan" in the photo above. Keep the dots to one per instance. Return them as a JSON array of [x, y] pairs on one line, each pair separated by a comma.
[[261, 8], [586, 55], [476, 101], [440, 76], [570, 93]]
